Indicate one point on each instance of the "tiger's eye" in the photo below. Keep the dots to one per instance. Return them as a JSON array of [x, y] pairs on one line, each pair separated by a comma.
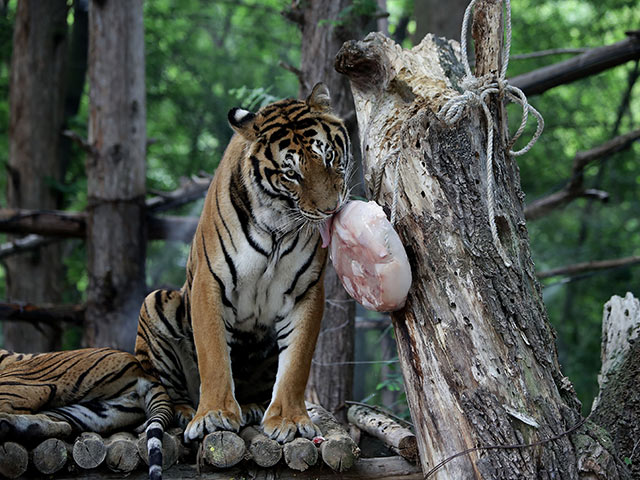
[[290, 173]]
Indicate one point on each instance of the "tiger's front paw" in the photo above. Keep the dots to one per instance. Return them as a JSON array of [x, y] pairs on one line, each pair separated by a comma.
[[183, 415], [284, 428], [252, 413], [212, 420]]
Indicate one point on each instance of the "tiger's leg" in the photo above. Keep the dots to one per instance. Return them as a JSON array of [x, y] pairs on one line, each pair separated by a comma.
[[160, 348], [298, 333], [218, 408]]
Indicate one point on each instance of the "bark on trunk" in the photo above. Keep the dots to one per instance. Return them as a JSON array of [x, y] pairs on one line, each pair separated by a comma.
[[617, 407], [36, 114], [475, 345], [431, 17], [116, 173], [331, 376]]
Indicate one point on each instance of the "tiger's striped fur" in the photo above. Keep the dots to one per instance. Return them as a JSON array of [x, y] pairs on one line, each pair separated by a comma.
[[94, 389], [237, 340]]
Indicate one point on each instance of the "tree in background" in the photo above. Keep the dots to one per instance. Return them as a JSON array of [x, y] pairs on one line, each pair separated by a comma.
[[36, 117], [116, 188]]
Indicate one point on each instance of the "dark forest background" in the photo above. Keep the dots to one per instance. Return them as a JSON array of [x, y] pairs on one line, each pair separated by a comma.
[[205, 57]]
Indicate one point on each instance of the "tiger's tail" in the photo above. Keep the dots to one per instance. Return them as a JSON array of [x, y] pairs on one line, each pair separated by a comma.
[[159, 414]]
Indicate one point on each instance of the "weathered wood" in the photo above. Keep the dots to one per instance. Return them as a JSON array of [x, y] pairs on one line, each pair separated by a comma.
[[171, 449], [589, 63], [122, 452], [51, 314], [14, 459], [50, 456], [265, 451], [89, 450], [222, 449], [36, 103], [338, 449], [507, 388], [74, 224], [300, 454], [375, 423], [617, 406], [116, 230], [389, 468]]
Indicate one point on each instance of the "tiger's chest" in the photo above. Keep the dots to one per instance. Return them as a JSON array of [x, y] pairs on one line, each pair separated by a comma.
[[269, 287]]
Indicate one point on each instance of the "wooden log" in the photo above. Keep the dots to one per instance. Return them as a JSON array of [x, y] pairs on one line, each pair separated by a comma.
[[50, 456], [171, 449], [89, 450], [59, 223], [122, 452], [338, 449], [222, 449], [300, 454], [265, 451], [14, 459], [400, 439], [388, 468]]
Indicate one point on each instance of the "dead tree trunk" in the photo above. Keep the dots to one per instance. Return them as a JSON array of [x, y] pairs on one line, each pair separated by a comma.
[[476, 348], [116, 239], [36, 114]]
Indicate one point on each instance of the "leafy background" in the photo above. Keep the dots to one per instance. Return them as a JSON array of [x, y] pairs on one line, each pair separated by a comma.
[[204, 57]]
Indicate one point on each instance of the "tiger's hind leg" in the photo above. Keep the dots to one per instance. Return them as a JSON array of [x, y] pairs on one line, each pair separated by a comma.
[[32, 427], [165, 349], [252, 413]]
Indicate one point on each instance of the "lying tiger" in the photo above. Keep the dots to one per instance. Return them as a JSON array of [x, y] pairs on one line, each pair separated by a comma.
[[237, 340], [95, 389]]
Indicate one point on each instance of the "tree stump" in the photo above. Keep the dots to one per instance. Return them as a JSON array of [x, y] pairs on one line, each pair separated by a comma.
[[338, 449], [265, 451], [89, 450], [507, 387], [300, 454], [222, 449], [50, 456], [122, 453], [400, 439], [14, 459]]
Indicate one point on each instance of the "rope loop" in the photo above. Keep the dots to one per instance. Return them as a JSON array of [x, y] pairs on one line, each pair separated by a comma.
[[475, 93]]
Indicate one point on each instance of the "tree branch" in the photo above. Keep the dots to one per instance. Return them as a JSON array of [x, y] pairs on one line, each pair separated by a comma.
[[80, 141], [546, 53], [193, 189], [574, 188], [24, 244], [589, 63], [50, 314], [577, 268], [73, 224]]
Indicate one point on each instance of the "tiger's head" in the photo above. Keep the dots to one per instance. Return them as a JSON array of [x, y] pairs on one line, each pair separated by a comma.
[[300, 154]]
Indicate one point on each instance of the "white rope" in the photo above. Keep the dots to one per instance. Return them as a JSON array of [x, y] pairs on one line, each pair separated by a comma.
[[475, 93]]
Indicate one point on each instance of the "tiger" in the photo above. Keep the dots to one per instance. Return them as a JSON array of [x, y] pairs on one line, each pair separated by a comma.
[[55, 394], [234, 345]]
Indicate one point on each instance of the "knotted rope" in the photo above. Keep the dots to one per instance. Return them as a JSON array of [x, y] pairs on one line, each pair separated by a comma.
[[475, 93]]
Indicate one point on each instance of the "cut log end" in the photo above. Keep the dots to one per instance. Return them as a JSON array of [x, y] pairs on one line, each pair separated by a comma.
[[222, 449], [300, 454], [14, 460], [265, 451], [89, 450], [171, 449], [50, 456], [122, 456]]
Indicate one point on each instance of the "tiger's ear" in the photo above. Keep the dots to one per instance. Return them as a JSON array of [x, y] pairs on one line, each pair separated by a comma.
[[242, 121], [319, 99]]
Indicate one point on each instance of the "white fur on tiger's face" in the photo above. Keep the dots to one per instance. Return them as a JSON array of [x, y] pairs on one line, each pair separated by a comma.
[[248, 316]]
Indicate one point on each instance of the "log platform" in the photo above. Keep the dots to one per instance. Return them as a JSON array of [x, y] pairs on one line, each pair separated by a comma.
[[220, 455]]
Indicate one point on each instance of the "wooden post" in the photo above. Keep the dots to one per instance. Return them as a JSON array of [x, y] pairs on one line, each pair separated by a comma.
[[116, 238], [476, 349]]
